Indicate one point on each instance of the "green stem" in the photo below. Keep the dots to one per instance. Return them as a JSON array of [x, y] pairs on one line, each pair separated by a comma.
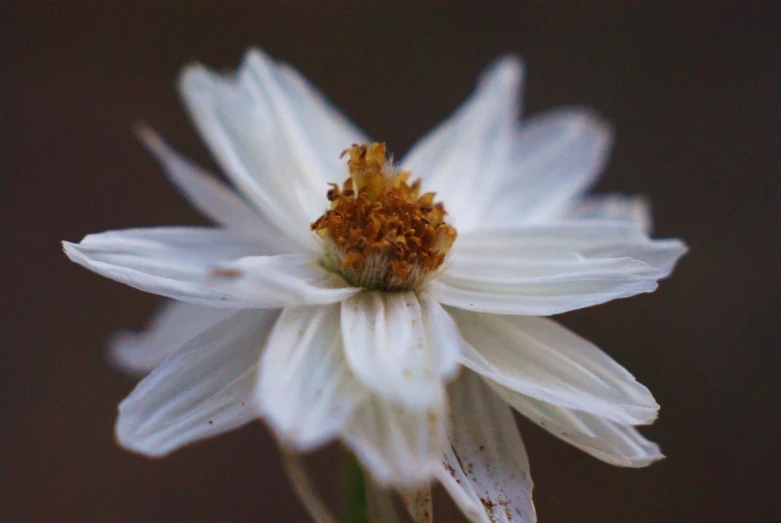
[[356, 507]]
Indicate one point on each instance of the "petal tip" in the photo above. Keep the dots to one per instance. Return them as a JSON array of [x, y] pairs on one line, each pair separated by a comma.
[[195, 79], [509, 65], [255, 53], [148, 136], [74, 253], [154, 143], [580, 120], [642, 414], [126, 438], [192, 72]]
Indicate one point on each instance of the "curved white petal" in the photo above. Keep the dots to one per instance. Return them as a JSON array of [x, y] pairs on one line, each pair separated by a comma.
[[214, 199], [531, 299], [550, 268], [662, 255], [485, 468], [286, 280], [614, 207], [202, 390], [556, 158], [462, 157], [207, 267], [387, 347], [274, 135], [568, 239], [398, 446], [443, 337], [314, 132], [242, 138], [540, 358], [306, 391], [612, 442], [173, 324]]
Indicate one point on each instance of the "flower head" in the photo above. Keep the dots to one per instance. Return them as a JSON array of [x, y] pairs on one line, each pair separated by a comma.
[[339, 302], [380, 232]]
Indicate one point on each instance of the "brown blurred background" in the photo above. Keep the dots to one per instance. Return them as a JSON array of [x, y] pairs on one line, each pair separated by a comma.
[[694, 92]]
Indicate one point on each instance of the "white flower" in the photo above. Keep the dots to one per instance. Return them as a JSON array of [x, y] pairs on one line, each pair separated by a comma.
[[266, 322]]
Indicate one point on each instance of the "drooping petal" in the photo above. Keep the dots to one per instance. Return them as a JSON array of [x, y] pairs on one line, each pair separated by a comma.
[[305, 489], [398, 446], [388, 348], [419, 504], [173, 324], [207, 267], [213, 198], [306, 391], [461, 158], [614, 207], [202, 390], [540, 358], [612, 442], [556, 158], [485, 468]]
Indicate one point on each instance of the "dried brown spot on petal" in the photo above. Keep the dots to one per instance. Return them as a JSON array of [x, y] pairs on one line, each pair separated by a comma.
[[225, 272]]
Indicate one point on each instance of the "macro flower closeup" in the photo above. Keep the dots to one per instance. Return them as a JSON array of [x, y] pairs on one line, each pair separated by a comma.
[[399, 308]]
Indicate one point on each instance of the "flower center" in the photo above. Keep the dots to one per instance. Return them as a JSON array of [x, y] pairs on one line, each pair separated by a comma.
[[380, 233]]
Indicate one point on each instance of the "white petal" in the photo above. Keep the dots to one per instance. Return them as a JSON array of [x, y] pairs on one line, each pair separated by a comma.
[[206, 267], [173, 324], [563, 238], [556, 158], [662, 255], [611, 442], [388, 349], [485, 468], [287, 280], [313, 131], [306, 391], [419, 504], [398, 446], [214, 199], [200, 391], [460, 158], [304, 487], [540, 358], [243, 139], [443, 336], [615, 207], [529, 299], [553, 236], [552, 268]]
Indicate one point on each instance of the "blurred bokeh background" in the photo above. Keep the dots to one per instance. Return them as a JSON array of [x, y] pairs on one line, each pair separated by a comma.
[[693, 90]]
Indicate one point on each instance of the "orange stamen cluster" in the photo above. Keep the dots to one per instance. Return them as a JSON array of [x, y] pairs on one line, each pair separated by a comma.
[[380, 232]]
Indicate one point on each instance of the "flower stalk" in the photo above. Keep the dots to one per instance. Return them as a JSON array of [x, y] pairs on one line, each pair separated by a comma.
[[356, 508]]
